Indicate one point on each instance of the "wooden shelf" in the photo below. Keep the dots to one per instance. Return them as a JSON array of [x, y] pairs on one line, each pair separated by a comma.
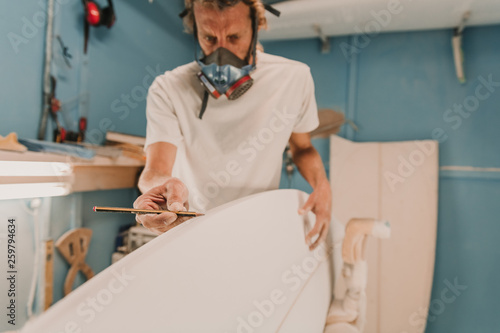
[[100, 173]]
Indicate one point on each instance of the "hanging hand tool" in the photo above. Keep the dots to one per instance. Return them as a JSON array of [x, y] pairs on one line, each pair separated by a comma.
[[86, 28], [97, 16], [55, 106], [60, 133], [82, 127], [46, 71], [65, 53]]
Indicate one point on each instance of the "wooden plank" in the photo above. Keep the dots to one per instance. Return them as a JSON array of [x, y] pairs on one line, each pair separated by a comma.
[[93, 178], [49, 274], [100, 173], [34, 180]]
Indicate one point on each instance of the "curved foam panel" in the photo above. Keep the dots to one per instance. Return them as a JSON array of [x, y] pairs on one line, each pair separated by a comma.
[[397, 182], [243, 267]]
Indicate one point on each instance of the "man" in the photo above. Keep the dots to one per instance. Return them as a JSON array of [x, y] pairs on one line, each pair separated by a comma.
[[229, 147]]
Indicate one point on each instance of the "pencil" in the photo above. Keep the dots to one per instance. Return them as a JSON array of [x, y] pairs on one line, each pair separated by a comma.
[[143, 211]]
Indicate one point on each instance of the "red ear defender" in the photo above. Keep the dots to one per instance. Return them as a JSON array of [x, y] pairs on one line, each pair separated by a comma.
[[92, 13], [95, 16]]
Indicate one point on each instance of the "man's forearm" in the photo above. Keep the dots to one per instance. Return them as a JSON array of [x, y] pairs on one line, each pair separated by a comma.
[[151, 178], [310, 166], [160, 157]]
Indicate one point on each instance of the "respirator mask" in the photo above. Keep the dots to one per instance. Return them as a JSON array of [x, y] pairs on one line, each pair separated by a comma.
[[223, 73]]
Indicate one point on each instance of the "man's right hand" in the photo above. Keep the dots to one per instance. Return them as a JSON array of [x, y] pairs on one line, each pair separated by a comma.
[[172, 195]]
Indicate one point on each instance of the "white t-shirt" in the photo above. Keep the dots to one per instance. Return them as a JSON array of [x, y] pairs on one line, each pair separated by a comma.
[[237, 148]]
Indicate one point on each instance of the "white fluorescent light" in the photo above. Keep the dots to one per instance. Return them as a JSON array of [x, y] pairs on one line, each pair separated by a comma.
[[33, 169], [35, 190]]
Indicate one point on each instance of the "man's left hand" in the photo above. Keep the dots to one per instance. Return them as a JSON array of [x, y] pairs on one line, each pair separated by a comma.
[[320, 203]]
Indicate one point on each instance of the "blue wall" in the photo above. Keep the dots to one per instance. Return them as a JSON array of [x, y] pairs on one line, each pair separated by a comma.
[[146, 40], [399, 87], [402, 86], [20, 69]]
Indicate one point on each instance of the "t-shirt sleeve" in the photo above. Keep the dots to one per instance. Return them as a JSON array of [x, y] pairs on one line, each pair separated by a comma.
[[307, 120], [162, 122]]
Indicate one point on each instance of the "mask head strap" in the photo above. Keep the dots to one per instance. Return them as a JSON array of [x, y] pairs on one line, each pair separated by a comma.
[[272, 10], [253, 45]]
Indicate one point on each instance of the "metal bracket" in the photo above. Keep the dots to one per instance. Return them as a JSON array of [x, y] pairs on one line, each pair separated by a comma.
[[456, 42], [325, 41], [461, 26]]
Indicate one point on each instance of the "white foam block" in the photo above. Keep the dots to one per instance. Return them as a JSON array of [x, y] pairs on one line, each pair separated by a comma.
[[244, 267]]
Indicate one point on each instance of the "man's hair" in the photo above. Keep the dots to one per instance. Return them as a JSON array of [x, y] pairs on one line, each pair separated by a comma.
[[256, 8]]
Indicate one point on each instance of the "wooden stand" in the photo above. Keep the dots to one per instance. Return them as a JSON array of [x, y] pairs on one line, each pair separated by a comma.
[[73, 245]]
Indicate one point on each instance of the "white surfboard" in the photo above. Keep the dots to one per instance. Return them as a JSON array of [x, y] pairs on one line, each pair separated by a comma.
[[243, 267], [398, 182]]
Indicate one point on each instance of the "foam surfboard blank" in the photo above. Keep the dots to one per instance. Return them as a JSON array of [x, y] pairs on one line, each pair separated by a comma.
[[243, 267]]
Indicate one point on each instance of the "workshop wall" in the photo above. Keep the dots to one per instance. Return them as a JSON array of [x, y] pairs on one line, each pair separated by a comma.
[[107, 85], [403, 86], [21, 59], [148, 39], [114, 75]]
